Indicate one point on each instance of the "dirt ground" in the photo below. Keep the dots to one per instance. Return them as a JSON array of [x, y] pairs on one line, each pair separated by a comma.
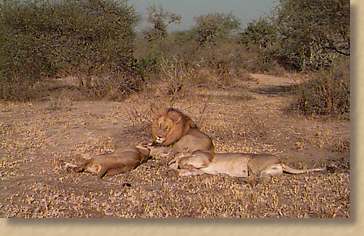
[[36, 139]]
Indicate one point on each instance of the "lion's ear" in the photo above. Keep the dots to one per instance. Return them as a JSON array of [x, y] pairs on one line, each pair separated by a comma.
[[175, 116], [191, 124], [157, 112]]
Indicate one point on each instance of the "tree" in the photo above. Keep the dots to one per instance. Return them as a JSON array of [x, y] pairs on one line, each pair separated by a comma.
[[214, 26], [260, 33], [312, 33], [160, 20], [303, 34]]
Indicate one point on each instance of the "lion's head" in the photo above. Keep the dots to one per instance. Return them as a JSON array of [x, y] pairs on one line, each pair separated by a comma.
[[169, 126]]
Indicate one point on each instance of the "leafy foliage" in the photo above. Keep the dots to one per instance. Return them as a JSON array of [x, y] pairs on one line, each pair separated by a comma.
[[313, 33], [160, 19], [303, 34], [261, 33], [42, 38], [215, 26]]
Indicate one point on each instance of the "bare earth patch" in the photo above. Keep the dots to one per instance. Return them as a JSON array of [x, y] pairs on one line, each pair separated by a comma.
[[37, 138]]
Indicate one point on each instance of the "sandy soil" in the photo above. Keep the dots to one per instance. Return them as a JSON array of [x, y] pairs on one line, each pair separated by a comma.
[[249, 116]]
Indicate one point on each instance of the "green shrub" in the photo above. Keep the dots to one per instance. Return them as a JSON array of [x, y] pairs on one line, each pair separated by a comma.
[[328, 93], [312, 33], [215, 26], [302, 34], [40, 38], [260, 33], [160, 19]]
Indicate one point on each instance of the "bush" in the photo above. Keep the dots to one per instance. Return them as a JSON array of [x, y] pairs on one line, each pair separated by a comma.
[[303, 34], [328, 93], [40, 38], [213, 27], [112, 86], [160, 19], [260, 33], [312, 33]]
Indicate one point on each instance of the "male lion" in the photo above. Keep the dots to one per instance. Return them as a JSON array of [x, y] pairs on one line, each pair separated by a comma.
[[234, 164], [173, 128]]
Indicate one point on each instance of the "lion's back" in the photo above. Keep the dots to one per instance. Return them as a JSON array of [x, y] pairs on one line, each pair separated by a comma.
[[194, 140]]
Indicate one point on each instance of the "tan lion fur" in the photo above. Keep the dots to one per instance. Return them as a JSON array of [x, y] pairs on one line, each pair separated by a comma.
[[173, 128], [120, 161], [234, 164]]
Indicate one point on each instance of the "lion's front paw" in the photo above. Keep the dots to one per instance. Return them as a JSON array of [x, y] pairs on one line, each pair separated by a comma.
[[164, 154], [71, 167], [185, 172], [161, 152], [173, 164]]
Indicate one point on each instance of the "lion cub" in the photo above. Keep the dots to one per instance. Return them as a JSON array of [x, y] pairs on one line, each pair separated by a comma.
[[120, 161], [233, 164]]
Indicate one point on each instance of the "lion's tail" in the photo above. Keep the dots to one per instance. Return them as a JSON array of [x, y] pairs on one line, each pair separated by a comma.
[[291, 170]]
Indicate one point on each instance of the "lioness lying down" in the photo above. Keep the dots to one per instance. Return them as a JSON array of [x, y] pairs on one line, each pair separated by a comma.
[[233, 164], [120, 161]]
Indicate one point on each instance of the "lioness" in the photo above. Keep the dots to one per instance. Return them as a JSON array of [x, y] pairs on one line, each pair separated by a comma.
[[233, 164], [120, 161], [173, 128]]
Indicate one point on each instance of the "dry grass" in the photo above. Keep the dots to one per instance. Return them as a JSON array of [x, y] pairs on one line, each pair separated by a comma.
[[327, 93], [36, 141]]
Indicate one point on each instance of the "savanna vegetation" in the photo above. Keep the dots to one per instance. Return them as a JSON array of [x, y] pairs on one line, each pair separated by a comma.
[[82, 78], [96, 42]]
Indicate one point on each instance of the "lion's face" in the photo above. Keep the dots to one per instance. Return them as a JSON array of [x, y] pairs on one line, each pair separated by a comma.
[[169, 127], [162, 129]]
